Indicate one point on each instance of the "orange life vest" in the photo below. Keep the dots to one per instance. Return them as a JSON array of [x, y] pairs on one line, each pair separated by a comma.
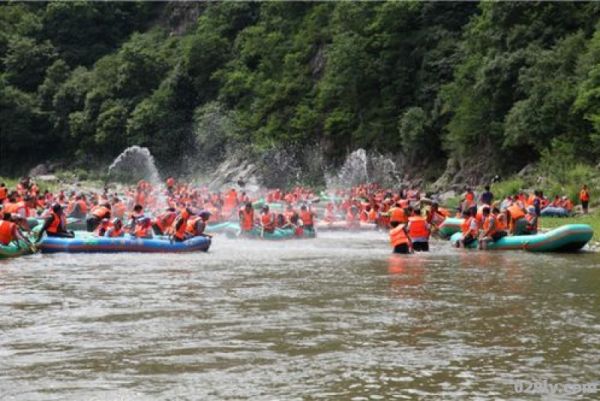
[[488, 222], [113, 232], [466, 227], [417, 227], [397, 214], [3, 193], [100, 212], [268, 221], [191, 225], [307, 217], [6, 231], [57, 224], [584, 196], [398, 236], [165, 220], [141, 231], [515, 212], [247, 219]]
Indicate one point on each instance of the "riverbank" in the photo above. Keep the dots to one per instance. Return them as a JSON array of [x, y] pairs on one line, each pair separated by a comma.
[[593, 219]]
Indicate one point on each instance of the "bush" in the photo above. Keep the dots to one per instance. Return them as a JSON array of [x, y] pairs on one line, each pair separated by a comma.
[[508, 187]]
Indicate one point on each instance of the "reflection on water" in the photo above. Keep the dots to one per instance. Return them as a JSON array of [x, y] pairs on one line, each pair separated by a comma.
[[333, 318]]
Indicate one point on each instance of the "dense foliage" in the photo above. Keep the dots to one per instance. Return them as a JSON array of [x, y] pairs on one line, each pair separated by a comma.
[[493, 85]]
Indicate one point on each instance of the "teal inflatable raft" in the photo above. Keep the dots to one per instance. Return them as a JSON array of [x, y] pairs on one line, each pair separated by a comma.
[[233, 231], [567, 238], [450, 226], [13, 250]]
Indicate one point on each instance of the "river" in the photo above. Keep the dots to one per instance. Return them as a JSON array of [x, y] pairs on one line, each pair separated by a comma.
[[335, 318]]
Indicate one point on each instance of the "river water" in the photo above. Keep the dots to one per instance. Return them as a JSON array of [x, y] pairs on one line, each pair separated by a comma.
[[335, 318]]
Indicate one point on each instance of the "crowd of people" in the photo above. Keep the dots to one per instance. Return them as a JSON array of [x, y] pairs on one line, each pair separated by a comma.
[[180, 211]]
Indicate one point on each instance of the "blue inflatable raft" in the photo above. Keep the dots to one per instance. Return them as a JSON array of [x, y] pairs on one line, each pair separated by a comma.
[[83, 243]]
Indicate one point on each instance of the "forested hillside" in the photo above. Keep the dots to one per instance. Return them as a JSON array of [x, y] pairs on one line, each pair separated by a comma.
[[492, 85]]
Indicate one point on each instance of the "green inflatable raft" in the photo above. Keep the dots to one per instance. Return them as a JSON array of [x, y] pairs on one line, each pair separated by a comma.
[[13, 250], [567, 238]]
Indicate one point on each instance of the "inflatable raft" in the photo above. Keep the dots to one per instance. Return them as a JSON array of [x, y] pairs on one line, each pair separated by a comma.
[[551, 211], [343, 226], [87, 243], [233, 231], [12, 250], [567, 238], [450, 226]]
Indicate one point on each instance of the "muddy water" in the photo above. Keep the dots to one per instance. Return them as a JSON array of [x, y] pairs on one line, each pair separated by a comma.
[[336, 318]]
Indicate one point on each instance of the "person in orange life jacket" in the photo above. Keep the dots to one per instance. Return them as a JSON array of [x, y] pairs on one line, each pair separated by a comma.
[[280, 220], [78, 208], [137, 214], [352, 220], [307, 216], [470, 229], [56, 224], [418, 231], [373, 214], [26, 208], [532, 222], [143, 228], [267, 220], [101, 229], [118, 208], [329, 215], [399, 238], [98, 213], [197, 224], [491, 228], [246, 216], [469, 202], [398, 213], [163, 221], [584, 198], [3, 193], [516, 217], [434, 216], [295, 224], [180, 225], [116, 230], [9, 231]]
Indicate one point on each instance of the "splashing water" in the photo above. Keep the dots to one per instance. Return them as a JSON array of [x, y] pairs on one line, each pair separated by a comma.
[[135, 163], [360, 168]]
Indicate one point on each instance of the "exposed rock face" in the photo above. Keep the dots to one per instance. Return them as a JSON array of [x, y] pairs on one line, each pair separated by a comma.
[[234, 173], [40, 169]]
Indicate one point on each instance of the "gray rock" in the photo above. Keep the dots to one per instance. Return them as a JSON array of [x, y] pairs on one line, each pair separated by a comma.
[[39, 170], [47, 178]]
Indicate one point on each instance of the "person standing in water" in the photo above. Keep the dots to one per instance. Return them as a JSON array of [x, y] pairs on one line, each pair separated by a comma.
[[584, 198]]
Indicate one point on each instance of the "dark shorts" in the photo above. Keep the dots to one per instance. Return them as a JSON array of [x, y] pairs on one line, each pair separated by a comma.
[[468, 239], [498, 235], [421, 246], [584, 204], [157, 229], [92, 223], [402, 248]]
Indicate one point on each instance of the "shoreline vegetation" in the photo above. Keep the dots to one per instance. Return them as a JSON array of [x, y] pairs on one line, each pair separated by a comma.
[[462, 90]]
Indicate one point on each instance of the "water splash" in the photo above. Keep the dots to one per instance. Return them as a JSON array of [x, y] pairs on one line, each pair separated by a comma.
[[362, 168], [133, 164]]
